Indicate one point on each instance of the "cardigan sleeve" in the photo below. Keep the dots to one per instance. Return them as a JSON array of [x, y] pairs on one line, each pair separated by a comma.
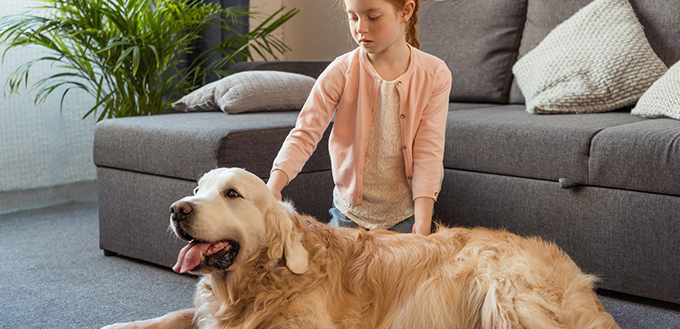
[[312, 121], [428, 147]]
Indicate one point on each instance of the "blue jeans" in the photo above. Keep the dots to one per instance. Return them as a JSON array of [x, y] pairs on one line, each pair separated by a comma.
[[338, 219]]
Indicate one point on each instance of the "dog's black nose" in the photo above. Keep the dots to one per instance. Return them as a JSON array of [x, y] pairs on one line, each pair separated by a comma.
[[181, 208]]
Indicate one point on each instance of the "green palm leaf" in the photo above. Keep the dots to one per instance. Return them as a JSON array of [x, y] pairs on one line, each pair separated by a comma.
[[132, 55]]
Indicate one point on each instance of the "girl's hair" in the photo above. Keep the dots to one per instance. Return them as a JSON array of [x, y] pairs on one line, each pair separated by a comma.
[[411, 29]]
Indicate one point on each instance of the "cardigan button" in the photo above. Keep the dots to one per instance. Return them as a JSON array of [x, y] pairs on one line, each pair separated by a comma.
[[403, 116], [398, 83]]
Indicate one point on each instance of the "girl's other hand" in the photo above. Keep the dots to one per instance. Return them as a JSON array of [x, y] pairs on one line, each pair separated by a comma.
[[277, 195], [423, 213], [422, 227], [277, 181]]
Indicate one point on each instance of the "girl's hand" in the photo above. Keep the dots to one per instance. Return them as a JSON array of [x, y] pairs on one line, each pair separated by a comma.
[[277, 195], [422, 227], [423, 213], [277, 181]]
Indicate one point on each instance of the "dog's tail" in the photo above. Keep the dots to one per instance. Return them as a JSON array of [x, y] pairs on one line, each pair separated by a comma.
[[603, 320], [504, 310], [493, 314], [589, 313], [500, 311]]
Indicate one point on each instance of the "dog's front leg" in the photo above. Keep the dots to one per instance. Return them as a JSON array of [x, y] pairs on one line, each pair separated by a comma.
[[174, 320]]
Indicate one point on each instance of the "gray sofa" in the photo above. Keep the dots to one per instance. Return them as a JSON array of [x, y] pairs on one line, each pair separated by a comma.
[[605, 187]]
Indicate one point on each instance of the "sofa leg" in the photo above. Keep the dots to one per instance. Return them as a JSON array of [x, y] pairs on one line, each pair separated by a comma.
[[109, 253]]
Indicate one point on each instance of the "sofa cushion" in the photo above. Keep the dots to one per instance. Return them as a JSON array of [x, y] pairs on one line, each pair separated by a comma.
[[478, 40], [662, 99], [641, 156], [598, 60], [186, 145], [659, 18], [250, 91], [507, 140]]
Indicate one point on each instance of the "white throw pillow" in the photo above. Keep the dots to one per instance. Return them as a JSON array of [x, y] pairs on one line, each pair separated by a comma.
[[598, 60], [250, 91], [662, 99]]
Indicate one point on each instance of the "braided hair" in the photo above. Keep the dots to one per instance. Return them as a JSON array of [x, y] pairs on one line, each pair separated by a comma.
[[411, 29]]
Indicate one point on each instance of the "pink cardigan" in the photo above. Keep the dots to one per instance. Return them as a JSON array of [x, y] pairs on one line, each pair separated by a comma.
[[348, 89]]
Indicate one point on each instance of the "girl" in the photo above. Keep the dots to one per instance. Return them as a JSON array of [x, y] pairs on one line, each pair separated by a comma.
[[390, 102]]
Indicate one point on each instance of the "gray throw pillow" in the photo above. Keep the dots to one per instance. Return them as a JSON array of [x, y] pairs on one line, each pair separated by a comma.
[[662, 99], [250, 91], [598, 60]]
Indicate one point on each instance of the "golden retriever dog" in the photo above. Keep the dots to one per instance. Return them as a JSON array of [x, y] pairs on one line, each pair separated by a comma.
[[263, 265]]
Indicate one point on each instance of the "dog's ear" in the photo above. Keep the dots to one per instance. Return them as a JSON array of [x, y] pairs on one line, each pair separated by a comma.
[[285, 241], [297, 257]]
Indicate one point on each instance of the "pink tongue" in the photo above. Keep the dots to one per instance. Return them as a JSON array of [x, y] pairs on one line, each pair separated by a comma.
[[190, 256]]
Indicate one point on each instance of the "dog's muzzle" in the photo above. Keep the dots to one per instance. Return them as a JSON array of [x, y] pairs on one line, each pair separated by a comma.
[[199, 256], [180, 212]]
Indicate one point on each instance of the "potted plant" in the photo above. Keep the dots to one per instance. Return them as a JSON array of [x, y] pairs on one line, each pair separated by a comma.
[[133, 56]]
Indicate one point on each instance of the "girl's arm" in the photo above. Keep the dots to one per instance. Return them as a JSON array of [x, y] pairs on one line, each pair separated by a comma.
[[428, 152], [311, 123]]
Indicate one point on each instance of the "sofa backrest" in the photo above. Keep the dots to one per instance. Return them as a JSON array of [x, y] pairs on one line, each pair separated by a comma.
[[480, 40]]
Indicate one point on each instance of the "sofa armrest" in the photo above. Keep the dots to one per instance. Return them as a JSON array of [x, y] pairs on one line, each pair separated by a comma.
[[310, 68]]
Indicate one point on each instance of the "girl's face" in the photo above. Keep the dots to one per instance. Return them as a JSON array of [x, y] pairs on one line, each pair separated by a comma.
[[375, 25]]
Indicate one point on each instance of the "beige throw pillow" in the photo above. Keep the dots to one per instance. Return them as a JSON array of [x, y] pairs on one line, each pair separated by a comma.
[[250, 91], [598, 60], [662, 99]]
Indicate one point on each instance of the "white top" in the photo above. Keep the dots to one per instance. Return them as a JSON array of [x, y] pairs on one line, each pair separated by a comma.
[[387, 198]]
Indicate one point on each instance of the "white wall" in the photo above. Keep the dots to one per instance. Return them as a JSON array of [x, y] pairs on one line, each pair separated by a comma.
[[318, 32], [45, 154]]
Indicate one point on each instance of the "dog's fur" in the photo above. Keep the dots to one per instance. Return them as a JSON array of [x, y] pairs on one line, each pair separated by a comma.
[[294, 272]]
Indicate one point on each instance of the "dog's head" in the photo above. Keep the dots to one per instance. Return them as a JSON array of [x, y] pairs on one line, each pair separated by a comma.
[[231, 217]]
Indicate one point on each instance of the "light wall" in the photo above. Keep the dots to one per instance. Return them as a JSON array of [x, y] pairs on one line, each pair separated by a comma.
[[318, 32], [46, 154]]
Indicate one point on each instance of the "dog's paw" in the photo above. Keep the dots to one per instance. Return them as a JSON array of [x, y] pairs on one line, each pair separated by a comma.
[[133, 325], [117, 326], [173, 320]]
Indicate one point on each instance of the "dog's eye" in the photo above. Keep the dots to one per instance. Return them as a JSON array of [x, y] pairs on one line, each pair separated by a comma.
[[232, 193], [196, 190]]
